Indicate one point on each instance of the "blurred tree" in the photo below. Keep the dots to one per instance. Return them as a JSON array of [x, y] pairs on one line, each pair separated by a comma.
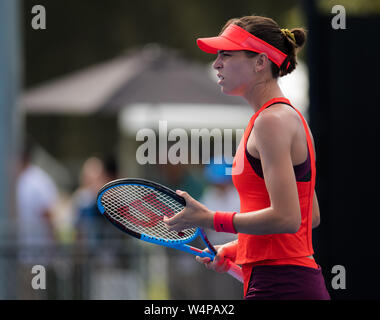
[[81, 33]]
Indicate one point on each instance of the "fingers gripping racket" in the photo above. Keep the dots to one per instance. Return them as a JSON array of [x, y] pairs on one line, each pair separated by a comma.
[[137, 207]]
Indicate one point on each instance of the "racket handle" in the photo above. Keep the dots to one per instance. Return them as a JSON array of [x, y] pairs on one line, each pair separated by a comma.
[[190, 249], [235, 271]]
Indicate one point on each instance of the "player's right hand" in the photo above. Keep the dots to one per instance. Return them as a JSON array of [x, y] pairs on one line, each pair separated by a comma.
[[221, 262]]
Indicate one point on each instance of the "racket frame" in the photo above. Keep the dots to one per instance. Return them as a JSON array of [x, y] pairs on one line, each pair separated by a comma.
[[176, 244]]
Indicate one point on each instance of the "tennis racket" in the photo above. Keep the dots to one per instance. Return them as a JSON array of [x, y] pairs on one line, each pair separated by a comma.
[[138, 206]]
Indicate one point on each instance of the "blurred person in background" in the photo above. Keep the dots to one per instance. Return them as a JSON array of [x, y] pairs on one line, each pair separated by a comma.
[[90, 227], [36, 196], [88, 221], [273, 169], [181, 176]]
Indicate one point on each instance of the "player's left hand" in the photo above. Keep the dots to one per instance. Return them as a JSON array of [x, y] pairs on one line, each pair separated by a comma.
[[194, 214]]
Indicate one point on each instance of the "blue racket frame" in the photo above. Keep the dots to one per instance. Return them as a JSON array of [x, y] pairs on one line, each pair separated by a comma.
[[175, 244]]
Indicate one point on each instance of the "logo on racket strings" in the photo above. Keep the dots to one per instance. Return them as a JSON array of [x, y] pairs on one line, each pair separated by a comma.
[[146, 212]]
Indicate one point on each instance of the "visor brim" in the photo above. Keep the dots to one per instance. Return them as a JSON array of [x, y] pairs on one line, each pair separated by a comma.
[[213, 44]]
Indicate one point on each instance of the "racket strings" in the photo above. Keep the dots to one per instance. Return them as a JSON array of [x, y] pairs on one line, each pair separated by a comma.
[[141, 209]]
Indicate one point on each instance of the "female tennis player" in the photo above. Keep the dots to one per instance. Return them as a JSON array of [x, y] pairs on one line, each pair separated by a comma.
[[273, 169]]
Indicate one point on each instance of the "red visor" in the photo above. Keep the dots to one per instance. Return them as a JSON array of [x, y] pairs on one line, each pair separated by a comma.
[[236, 38]]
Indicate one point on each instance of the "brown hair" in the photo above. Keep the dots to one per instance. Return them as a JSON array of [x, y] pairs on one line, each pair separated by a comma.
[[269, 31]]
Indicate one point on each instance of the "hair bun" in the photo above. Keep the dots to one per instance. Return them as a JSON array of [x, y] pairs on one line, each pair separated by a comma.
[[300, 36]]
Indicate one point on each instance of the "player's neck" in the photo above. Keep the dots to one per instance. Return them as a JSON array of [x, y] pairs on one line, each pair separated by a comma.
[[262, 92]]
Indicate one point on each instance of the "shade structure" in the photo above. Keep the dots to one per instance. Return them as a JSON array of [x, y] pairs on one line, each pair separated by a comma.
[[149, 75]]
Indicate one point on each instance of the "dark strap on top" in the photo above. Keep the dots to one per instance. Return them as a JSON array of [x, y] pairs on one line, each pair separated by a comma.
[[302, 171]]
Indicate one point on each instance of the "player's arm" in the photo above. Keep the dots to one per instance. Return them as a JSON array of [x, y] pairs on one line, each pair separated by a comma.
[[316, 218]]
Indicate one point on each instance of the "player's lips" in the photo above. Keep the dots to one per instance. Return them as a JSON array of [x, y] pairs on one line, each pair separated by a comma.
[[221, 78]]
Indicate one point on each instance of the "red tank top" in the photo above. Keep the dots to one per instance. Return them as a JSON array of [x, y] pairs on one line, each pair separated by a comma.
[[278, 249]]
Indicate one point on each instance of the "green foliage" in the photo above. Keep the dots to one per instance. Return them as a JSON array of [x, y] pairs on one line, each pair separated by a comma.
[[85, 32]]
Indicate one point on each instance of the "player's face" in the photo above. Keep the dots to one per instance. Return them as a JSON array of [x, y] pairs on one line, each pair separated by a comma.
[[235, 72]]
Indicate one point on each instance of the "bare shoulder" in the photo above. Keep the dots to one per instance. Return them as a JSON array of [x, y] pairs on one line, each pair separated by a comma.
[[279, 131], [277, 122]]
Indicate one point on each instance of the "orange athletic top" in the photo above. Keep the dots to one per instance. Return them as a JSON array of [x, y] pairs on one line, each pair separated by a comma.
[[271, 249]]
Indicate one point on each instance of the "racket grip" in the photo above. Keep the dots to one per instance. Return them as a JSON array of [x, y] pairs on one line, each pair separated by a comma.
[[235, 271]]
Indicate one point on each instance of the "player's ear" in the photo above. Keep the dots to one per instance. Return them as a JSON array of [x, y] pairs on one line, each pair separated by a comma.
[[261, 62]]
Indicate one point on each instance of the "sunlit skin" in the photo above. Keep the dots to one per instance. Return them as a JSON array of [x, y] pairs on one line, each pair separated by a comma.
[[278, 140]]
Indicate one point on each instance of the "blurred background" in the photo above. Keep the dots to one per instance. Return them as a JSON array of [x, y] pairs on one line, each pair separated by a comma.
[[75, 92]]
